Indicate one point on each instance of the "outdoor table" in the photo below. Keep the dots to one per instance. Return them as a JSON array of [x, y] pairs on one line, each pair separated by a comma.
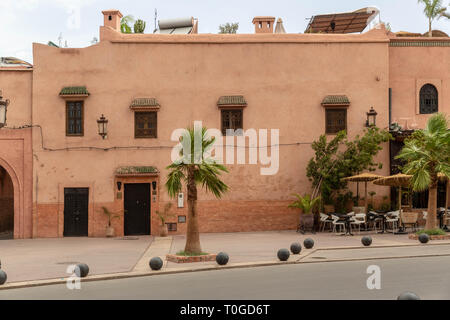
[[382, 215], [347, 219]]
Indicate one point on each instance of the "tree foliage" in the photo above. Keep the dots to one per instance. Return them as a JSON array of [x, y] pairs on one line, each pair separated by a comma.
[[195, 167], [125, 23], [426, 154], [341, 157], [228, 28], [434, 10]]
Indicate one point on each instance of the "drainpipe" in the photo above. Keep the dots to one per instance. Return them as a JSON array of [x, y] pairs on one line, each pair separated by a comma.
[[390, 107]]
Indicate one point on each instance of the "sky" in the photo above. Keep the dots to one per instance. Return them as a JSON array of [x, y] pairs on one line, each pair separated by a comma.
[[23, 22]]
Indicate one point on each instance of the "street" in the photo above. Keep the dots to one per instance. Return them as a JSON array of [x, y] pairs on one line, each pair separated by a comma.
[[426, 276]]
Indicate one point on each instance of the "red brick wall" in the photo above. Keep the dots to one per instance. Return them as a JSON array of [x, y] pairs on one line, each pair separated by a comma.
[[214, 216], [240, 216]]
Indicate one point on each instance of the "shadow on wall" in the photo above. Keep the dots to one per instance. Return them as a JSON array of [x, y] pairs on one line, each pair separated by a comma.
[[6, 205]]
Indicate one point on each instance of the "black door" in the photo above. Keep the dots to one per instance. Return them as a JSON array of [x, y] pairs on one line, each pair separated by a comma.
[[76, 203], [137, 209]]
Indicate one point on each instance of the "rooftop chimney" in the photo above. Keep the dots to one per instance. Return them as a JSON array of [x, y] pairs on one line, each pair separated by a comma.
[[279, 28], [263, 24], [112, 19]]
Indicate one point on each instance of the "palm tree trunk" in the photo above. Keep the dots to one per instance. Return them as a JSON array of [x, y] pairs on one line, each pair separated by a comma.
[[192, 235], [430, 30], [432, 203]]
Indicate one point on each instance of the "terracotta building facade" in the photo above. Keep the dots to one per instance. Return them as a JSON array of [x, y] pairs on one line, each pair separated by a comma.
[[59, 175]]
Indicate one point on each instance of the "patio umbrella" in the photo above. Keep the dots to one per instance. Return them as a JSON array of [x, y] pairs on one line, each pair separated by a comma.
[[399, 180], [364, 177]]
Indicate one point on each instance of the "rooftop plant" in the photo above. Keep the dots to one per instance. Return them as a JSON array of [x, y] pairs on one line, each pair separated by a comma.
[[434, 10]]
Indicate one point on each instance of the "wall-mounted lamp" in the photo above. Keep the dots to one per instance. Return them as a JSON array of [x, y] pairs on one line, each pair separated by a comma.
[[3, 108], [102, 126], [119, 185], [154, 185], [371, 118]]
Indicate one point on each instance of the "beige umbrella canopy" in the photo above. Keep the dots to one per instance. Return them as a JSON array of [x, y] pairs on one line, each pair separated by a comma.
[[364, 177], [399, 180]]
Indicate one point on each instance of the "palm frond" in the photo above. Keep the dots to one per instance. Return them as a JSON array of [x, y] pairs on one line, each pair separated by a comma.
[[174, 181], [206, 171]]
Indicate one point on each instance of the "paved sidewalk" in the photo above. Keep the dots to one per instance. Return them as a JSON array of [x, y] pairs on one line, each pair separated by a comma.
[[263, 246], [32, 259], [158, 248], [37, 259]]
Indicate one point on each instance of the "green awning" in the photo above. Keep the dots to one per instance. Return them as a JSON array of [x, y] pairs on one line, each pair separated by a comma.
[[74, 91], [136, 170], [144, 102], [336, 100], [232, 101]]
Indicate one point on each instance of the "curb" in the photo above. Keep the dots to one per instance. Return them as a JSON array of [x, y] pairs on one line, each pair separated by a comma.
[[300, 260]]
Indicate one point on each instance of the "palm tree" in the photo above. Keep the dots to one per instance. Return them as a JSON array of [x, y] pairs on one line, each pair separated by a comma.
[[195, 167], [433, 10], [125, 23], [426, 154]]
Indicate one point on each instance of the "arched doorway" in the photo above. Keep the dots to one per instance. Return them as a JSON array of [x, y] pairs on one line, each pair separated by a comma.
[[6, 205]]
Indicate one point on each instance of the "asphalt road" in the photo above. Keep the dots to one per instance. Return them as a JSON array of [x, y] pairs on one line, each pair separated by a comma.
[[428, 277]]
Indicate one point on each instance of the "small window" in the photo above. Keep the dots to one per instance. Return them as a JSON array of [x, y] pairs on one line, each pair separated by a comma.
[[428, 99], [74, 118], [145, 124], [231, 119], [171, 226], [335, 120]]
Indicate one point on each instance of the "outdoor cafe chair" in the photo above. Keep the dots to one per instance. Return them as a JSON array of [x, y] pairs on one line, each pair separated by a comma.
[[393, 219], [372, 219], [358, 220], [337, 223], [324, 219], [446, 217]]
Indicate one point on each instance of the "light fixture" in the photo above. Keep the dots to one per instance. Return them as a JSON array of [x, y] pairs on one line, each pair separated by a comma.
[[371, 118], [3, 108], [119, 185], [102, 126], [154, 185]]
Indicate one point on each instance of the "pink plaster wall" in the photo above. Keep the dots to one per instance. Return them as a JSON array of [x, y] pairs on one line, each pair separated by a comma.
[[412, 67], [284, 79], [16, 146]]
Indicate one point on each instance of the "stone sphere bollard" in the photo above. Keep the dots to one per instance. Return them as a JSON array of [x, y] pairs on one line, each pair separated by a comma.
[[156, 263], [296, 248], [222, 258], [366, 241], [408, 296], [3, 277], [308, 243], [424, 238], [283, 254], [82, 270]]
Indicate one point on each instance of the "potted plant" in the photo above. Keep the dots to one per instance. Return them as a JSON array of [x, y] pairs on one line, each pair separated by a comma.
[[109, 228], [163, 217], [306, 204]]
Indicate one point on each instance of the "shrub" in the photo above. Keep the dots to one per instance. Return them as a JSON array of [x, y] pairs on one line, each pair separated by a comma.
[[432, 232], [187, 254]]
